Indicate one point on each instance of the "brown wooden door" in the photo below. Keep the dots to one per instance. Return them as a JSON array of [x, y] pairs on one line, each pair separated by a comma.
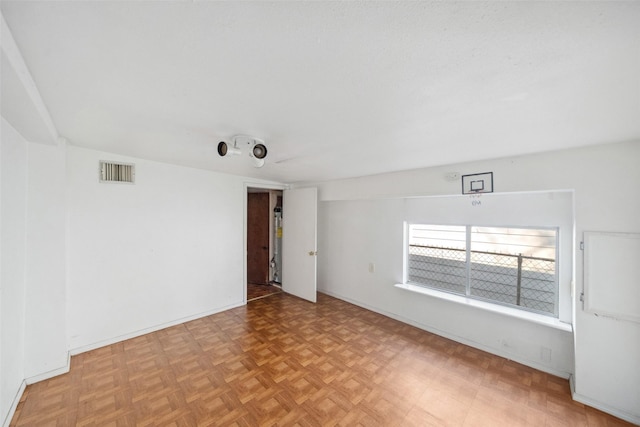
[[258, 238]]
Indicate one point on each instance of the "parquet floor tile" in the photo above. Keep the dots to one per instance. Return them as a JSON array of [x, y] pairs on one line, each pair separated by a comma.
[[281, 361], [256, 291]]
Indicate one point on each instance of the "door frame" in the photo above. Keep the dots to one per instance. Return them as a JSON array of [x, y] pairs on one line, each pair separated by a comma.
[[247, 185]]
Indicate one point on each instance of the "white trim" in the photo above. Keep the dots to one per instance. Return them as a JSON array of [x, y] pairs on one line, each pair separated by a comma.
[[14, 404], [266, 186], [99, 344], [14, 56], [50, 374], [479, 346], [528, 316], [632, 418], [468, 230], [247, 185], [424, 195]]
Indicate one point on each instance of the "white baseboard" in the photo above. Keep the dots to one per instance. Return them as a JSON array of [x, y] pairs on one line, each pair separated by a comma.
[[50, 374], [623, 415], [34, 379], [103, 343], [462, 340], [64, 369], [14, 404]]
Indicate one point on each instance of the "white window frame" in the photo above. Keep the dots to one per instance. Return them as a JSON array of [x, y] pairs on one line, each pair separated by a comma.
[[467, 294]]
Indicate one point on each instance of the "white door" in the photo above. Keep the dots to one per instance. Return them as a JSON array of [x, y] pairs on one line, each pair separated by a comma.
[[299, 216], [607, 326]]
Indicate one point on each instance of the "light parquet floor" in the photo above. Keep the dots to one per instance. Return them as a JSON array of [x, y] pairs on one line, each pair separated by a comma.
[[255, 291], [283, 361]]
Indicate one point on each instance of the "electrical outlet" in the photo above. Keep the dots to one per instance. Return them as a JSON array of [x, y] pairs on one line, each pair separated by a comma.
[[372, 267], [545, 354]]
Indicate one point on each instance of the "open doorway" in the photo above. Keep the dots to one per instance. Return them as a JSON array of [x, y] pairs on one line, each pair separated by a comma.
[[264, 242]]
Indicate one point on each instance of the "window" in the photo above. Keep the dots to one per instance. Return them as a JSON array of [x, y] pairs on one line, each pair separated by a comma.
[[509, 266]]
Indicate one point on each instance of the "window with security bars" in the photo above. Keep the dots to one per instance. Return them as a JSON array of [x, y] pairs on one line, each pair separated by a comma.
[[509, 266]]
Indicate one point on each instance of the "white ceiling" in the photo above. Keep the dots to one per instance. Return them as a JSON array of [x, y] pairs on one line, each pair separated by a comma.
[[336, 89]]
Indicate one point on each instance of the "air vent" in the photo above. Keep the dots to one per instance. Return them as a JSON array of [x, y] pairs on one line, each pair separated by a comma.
[[117, 172]]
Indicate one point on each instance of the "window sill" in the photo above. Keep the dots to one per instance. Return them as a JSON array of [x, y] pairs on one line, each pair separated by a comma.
[[507, 311]]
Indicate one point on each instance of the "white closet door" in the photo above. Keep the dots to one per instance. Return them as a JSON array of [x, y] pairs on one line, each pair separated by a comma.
[[299, 227]]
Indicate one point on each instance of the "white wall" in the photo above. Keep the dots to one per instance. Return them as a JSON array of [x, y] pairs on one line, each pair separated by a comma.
[[170, 248], [46, 351], [354, 234], [84, 264], [33, 302], [13, 179], [604, 179], [142, 256]]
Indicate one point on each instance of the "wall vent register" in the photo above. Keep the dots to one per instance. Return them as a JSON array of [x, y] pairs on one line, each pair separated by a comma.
[[117, 172]]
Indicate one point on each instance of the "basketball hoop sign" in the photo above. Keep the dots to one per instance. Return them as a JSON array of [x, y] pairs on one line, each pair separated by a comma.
[[477, 183]]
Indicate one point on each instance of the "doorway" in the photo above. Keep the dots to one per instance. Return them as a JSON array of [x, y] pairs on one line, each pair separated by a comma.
[[263, 242]]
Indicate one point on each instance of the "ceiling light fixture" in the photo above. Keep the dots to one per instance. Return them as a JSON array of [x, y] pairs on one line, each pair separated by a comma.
[[225, 150], [256, 147]]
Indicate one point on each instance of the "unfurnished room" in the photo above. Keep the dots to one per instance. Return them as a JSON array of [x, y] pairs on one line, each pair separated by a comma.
[[320, 213]]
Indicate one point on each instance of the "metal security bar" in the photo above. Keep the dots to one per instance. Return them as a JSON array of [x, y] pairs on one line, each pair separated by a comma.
[[441, 268], [523, 281]]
